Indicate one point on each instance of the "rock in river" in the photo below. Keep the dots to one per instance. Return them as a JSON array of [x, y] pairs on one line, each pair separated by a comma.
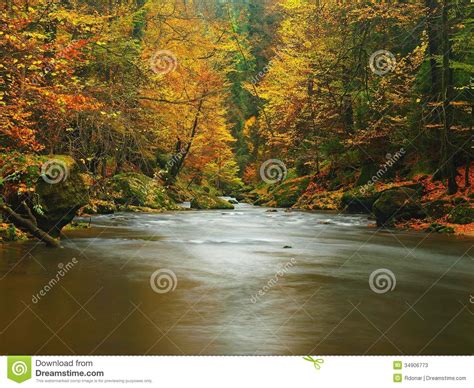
[[397, 204], [61, 199], [207, 201]]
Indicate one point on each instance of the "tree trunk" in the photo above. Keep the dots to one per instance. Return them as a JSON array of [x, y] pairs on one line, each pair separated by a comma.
[[315, 129], [448, 169], [433, 47], [176, 167], [467, 181], [432, 109], [30, 227], [103, 170], [29, 213]]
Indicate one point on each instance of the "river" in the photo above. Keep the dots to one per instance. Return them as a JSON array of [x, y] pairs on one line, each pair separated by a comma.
[[243, 281]]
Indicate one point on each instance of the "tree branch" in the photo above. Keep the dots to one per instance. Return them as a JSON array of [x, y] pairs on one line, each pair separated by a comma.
[[29, 226]]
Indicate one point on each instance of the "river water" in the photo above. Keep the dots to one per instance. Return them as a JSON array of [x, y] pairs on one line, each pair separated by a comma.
[[243, 281]]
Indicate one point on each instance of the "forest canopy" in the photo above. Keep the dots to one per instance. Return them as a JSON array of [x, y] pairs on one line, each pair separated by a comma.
[[202, 92]]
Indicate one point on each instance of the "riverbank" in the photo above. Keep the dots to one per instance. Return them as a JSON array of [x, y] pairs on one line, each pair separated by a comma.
[[36, 202], [419, 203]]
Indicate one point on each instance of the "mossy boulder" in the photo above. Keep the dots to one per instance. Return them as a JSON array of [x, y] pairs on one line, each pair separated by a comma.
[[179, 194], [77, 226], [61, 191], [315, 199], [359, 200], [261, 199], [258, 196], [397, 204], [244, 194], [134, 189], [99, 206], [462, 214], [287, 193], [207, 201]]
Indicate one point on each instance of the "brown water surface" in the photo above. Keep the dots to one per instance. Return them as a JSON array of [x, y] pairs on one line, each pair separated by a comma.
[[314, 297]]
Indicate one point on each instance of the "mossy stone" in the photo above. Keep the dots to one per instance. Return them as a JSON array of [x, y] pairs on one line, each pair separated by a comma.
[[134, 189], [61, 200], [205, 201], [287, 193], [359, 201], [99, 206], [397, 204]]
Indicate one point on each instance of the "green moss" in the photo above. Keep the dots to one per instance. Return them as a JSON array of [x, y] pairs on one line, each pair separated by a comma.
[[61, 196], [422, 167], [180, 192], [139, 209], [462, 214], [437, 209], [358, 200], [320, 200], [439, 228], [260, 195], [99, 206], [204, 201], [133, 189], [287, 193], [396, 205], [77, 225], [8, 232]]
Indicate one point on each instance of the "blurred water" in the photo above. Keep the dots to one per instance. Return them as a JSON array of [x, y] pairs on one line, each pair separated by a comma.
[[312, 271]]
